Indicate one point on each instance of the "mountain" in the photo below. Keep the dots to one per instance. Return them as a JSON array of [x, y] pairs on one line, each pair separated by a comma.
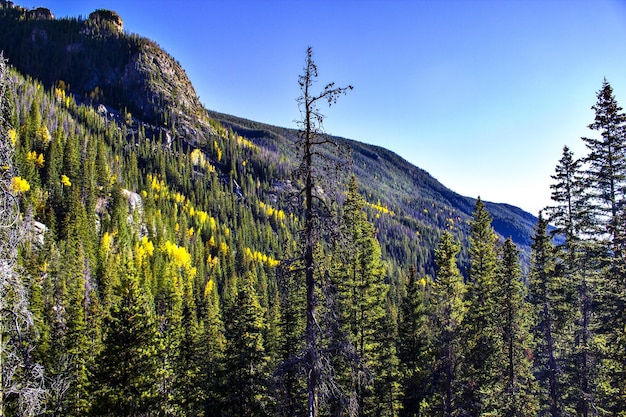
[[138, 85]]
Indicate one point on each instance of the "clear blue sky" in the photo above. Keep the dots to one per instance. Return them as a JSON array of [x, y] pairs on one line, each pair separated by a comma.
[[481, 94]]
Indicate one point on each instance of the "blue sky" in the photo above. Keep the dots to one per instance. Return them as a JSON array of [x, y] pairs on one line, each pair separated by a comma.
[[481, 94]]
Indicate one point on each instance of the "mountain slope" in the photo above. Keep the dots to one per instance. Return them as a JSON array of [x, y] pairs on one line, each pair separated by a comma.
[[100, 64]]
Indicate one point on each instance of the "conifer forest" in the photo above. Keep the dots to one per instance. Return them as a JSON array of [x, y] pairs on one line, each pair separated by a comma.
[[158, 259]]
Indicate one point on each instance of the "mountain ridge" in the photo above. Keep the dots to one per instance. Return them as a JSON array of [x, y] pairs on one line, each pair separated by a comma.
[[104, 65]]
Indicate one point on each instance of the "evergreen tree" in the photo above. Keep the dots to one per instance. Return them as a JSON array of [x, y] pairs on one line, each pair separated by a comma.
[[545, 296], [413, 344], [605, 170], [128, 366], [480, 335], [246, 362], [515, 394], [290, 385], [606, 167], [211, 350], [574, 269], [448, 310], [362, 296]]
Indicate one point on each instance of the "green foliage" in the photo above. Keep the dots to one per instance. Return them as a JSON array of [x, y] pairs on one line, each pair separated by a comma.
[[128, 372], [481, 365], [447, 313], [168, 281]]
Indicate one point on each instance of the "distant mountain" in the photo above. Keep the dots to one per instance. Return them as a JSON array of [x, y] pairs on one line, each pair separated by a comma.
[[133, 78], [418, 200]]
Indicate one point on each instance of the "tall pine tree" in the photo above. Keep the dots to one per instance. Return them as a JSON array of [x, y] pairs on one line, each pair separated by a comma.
[[480, 363], [448, 310]]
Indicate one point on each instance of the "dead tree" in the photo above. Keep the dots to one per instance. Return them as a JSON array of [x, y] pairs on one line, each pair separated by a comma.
[[318, 156]]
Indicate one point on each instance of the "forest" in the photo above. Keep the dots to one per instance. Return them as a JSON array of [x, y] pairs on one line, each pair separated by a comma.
[[147, 275]]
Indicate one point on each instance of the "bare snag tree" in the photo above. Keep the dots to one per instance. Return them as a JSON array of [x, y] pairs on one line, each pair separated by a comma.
[[21, 380], [319, 157]]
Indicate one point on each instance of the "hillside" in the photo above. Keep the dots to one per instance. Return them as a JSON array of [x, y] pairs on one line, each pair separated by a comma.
[[168, 260], [99, 63], [162, 270]]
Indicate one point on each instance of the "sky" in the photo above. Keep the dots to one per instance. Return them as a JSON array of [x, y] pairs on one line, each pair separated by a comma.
[[482, 94]]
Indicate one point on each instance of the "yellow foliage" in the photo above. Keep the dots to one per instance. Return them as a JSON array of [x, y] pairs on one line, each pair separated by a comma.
[[19, 185], [212, 241], [190, 232], [65, 180], [179, 198], [381, 208], [212, 260], [12, 136], [106, 240], [257, 256], [180, 256], [271, 211], [43, 135], [199, 159], [223, 248], [208, 288], [37, 160], [143, 248], [201, 216]]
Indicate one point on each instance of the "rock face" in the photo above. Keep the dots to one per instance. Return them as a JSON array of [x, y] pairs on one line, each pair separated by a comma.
[[104, 22], [41, 13], [158, 83], [101, 63]]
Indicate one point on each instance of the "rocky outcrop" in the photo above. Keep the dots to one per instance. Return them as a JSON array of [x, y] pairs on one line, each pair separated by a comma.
[[158, 83], [41, 13], [103, 23]]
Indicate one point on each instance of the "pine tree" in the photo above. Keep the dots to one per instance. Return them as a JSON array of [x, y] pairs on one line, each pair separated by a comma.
[[362, 297], [481, 344], [515, 389], [211, 350], [413, 343], [544, 293], [128, 366], [447, 314], [574, 269], [290, 385], [246, 362], [605, 169]]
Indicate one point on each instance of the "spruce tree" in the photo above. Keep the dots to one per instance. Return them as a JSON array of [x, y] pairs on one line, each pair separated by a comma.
[[575, 267], [448, 310], [545, 296], [605, 167], [362, 290], [480, 364], [128, 366], [413, 344], [515, 394], [246, 362]]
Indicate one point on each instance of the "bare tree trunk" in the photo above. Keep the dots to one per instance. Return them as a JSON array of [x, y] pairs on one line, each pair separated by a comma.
[[310, 140], [311, 330]]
